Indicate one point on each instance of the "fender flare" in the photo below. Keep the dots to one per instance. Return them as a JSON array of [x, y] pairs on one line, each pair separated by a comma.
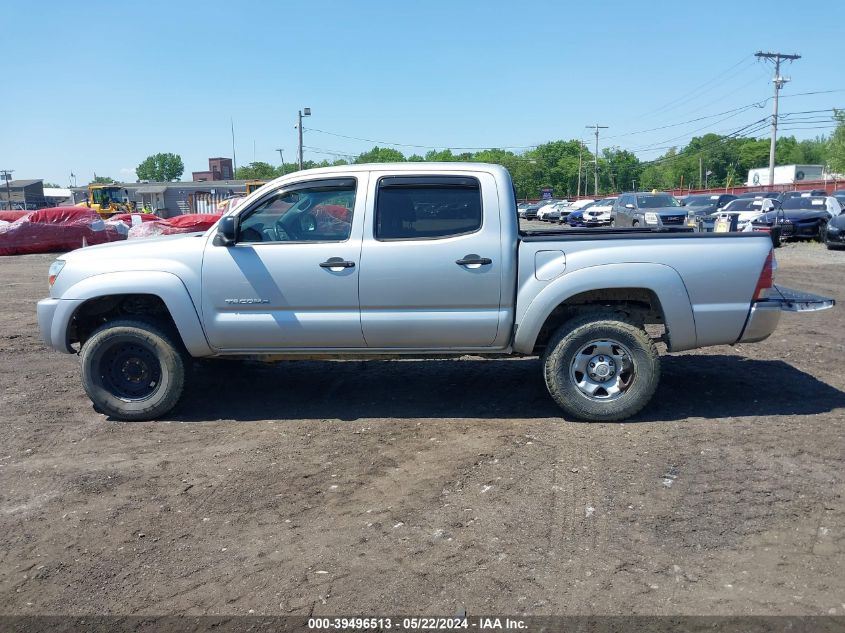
[[664, 281], [166, 286]]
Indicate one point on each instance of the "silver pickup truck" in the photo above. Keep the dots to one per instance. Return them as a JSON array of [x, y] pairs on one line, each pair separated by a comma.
[[407, 260]]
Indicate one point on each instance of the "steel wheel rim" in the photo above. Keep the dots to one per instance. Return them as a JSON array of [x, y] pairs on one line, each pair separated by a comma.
[[130, 371], [603, 370]]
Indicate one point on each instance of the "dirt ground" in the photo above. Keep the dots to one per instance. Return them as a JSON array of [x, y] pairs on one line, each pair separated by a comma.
[[430, 487]]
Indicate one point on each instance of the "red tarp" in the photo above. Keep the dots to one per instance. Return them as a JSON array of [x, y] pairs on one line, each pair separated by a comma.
[[55, 229], [190, 223], [11, 216]]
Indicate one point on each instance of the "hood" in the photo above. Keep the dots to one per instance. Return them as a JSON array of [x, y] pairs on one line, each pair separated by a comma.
[[838, 221], [795, 215], [146, 248]]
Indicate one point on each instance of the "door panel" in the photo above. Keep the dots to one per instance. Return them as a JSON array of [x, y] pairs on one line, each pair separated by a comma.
[[260, 295], [413, 292]]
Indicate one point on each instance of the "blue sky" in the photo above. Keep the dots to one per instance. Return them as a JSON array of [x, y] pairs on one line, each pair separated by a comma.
[[97, 86]]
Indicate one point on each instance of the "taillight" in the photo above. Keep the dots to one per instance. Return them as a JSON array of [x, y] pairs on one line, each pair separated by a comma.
[[766, 279]]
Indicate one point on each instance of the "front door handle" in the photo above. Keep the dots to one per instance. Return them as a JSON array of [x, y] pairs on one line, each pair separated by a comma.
[[337, 262], [473, 260]]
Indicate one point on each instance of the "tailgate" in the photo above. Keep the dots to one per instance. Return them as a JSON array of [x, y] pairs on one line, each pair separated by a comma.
[[765, 314], [791, 300]]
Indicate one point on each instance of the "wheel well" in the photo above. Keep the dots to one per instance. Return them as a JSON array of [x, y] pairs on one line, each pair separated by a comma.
[[639, 304], [95, 312]]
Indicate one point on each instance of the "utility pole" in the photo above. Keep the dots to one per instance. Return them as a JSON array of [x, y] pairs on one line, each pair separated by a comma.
[[234, 158], [700, 172], [302, 113], [597, 127], [7, 173], [580, 152], [779, 82]]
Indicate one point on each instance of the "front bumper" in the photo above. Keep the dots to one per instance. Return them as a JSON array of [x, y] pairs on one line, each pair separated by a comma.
[[765, 314], [835, 237], [54, 316]]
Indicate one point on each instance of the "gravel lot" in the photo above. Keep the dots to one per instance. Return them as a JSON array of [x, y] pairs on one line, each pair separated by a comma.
[[428, 487]]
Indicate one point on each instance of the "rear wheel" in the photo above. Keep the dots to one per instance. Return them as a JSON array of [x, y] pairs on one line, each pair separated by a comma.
[[775, 233], [635, 223], [601, 368], [822, 234], [132, 370]]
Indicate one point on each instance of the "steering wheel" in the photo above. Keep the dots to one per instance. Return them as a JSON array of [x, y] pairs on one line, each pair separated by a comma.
[[291, 226]]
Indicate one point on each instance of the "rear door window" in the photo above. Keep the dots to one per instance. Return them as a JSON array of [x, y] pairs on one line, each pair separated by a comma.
[[427, 207]]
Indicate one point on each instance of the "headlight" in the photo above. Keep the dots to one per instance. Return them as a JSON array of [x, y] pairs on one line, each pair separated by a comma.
[[651, 218], [55, 269]]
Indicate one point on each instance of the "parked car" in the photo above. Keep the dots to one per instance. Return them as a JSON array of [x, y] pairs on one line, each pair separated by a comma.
[[706, 204], [701, 207], [530, 212], [803, 217], [786, 195], [575, 218], [521, 207], [834, 235], [548, 206], [747, 209], [647, 209], [554, 214], [268, 282], [598, 213]]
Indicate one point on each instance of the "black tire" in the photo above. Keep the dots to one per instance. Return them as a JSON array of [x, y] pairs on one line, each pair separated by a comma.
[[635, 223], [612, 223], [776, 237], [821, 237], [567, 347], [133, 370]]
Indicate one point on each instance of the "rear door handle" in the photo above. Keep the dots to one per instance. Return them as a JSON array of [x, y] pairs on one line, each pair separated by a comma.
[[472, 259], [337, 262]]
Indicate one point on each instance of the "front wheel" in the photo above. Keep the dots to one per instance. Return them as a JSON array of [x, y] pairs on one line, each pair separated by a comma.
[[601, 368], [132, 370]]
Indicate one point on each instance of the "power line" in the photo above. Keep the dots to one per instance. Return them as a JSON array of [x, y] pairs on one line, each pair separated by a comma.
[[670, 105]]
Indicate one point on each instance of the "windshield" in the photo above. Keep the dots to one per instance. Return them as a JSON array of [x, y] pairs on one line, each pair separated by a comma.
[[105, 196], [743, 204], [816, 203], [657, 201], [701, 201]]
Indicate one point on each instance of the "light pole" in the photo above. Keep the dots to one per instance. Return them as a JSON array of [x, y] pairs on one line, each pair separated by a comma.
[[302, 113]]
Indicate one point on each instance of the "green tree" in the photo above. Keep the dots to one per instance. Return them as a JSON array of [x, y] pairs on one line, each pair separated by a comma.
[[102, 180], [257, 171], [836, 144], [381, 155], [162, 167], [50, 185]]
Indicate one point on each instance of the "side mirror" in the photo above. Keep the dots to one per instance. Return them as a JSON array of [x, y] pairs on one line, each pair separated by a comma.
[[227, 231], [630, 206]]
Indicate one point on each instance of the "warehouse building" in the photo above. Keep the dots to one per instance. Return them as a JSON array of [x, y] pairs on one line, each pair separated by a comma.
[[22, 194]]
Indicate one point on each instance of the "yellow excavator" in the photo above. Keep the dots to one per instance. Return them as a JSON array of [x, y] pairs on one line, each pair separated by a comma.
[[107, 200]]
